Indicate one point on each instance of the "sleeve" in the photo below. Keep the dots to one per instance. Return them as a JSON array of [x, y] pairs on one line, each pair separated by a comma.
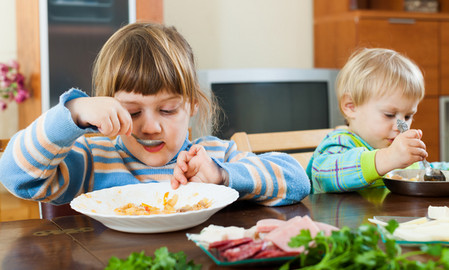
[[339, 166], [39, 160], [271, 179]]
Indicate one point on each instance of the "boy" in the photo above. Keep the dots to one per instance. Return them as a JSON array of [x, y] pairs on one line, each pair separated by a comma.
[[374, 89]]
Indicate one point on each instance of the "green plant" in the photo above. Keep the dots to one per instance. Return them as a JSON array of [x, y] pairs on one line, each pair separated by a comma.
[[162, 260], [359, 249]]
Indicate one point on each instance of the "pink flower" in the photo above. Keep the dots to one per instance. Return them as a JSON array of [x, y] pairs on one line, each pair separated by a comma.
[[21, 95], [3, 105], [14, 64], [12, 84]]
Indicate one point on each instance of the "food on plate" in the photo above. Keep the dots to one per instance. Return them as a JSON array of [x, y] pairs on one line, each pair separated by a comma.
[[268, 238], [168, 207], [359, 249], [434, 227], [399, 177], [437, 212]]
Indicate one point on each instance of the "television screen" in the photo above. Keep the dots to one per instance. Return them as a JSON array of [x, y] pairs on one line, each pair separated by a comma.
[[271, 106]]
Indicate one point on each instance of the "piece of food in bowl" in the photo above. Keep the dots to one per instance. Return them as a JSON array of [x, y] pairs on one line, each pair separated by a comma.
[[399, 177], [168, 207]]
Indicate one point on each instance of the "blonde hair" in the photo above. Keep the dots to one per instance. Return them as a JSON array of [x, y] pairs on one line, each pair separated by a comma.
[[148, 58], [374, 72]]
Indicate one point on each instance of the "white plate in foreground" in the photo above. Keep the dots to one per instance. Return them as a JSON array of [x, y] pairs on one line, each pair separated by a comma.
[[100, 205]]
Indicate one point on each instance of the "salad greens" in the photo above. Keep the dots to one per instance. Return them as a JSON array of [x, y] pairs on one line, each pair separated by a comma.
[[162, 260], [359, 249]]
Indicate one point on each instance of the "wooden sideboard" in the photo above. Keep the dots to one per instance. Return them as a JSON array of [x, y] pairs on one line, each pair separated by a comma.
[[28, 49], [342, 26]]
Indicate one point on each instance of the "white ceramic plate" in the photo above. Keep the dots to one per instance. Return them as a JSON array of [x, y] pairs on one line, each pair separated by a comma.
[[100, 205]]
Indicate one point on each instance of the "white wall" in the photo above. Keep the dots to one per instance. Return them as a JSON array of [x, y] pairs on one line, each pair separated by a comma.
[[8, 51], [223, 34], [245, 33]]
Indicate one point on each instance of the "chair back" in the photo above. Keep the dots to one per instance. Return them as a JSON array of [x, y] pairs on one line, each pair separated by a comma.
[[299, 144], [47, 210]]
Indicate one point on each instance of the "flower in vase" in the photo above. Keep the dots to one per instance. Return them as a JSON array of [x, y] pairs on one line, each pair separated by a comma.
[[12, 85]]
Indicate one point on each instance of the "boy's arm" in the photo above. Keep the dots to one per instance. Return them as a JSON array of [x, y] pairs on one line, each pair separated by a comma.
[[271, 179], [342, 167]]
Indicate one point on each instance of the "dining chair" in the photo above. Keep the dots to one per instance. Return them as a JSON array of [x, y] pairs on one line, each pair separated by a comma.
[[47, 210], [300, 144]]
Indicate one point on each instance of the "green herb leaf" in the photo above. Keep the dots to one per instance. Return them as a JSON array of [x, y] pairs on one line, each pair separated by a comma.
[[392, 225], [359, 249], [162, 260]]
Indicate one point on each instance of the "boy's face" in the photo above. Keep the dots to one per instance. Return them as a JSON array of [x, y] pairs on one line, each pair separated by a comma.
[[163, 117], [375, 121]]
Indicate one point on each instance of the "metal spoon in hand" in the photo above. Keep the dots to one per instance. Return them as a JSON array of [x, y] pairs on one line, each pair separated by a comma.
[[430, 174], [146, 142]]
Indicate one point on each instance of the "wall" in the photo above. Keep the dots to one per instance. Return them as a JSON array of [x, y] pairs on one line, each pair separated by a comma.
[[8, 51], [223, 34], [245, 34]]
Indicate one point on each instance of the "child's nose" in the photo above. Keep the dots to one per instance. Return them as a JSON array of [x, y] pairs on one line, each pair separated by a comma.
[[150, 124]]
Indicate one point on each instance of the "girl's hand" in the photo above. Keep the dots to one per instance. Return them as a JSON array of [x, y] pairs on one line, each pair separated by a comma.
[[196, 166], [106, 113], [406, 149]]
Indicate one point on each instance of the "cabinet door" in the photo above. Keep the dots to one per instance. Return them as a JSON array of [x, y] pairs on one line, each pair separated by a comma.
[[427, 120], [418, 40], [444, 58]]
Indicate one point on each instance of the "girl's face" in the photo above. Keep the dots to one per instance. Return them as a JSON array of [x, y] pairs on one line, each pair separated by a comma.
[[163, 117], [375, 121]]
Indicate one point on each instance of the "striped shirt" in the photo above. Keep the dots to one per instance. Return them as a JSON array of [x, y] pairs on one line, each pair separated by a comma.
[[52, 161]]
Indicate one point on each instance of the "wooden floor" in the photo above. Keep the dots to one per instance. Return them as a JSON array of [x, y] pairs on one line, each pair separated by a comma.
[[13, 208]]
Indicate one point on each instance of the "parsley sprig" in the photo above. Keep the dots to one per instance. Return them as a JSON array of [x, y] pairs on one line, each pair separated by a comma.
[[359, 249], [162, 260]]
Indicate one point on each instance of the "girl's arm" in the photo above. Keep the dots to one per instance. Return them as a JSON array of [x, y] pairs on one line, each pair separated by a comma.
[[39, 160], [271, 179]]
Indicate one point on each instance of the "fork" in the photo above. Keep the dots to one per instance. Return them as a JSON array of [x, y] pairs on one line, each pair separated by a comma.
[[430, 174]]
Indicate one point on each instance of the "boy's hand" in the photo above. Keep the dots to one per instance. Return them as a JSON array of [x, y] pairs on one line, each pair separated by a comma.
[[406, 149], [106, 113], [196, 166]]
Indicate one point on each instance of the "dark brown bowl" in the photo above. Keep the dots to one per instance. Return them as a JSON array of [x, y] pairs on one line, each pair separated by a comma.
[[416, 188]]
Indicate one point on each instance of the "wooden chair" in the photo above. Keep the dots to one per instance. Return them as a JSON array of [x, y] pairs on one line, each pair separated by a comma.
[[299, 144], [47, 210]]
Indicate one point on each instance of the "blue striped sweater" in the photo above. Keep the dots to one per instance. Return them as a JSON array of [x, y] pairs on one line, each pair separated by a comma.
[[52, 161]]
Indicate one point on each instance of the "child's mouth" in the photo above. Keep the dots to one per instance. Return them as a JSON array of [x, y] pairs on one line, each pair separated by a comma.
[[155, 147]]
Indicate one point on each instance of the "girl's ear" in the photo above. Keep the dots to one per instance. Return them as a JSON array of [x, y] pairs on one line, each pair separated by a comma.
[[347, 106]]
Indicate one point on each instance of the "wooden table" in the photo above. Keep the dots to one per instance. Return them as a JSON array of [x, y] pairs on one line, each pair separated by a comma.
[[79, 242]]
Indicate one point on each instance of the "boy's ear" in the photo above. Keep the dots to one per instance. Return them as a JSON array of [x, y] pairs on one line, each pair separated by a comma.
[[347, 106]]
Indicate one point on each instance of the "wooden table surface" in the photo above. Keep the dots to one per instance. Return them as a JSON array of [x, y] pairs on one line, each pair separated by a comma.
[[79, 242]]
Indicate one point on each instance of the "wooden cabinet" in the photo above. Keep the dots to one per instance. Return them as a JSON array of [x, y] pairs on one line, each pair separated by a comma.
[[444, 63], [340, 27], [29, 54]]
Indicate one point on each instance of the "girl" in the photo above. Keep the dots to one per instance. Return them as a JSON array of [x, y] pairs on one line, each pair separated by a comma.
[[146, 87]]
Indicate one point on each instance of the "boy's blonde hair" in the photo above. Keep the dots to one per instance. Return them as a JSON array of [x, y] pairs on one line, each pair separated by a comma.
[[148, 58], [374, 72]]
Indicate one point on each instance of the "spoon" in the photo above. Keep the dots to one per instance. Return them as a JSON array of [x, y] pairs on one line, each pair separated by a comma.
[[430, 174], [146, 142]]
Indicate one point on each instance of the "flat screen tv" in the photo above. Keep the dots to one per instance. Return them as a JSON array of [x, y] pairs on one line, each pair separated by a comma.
[[271, 100]]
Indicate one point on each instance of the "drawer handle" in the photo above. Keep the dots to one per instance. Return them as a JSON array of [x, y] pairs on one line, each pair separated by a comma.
[[401, 21]]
